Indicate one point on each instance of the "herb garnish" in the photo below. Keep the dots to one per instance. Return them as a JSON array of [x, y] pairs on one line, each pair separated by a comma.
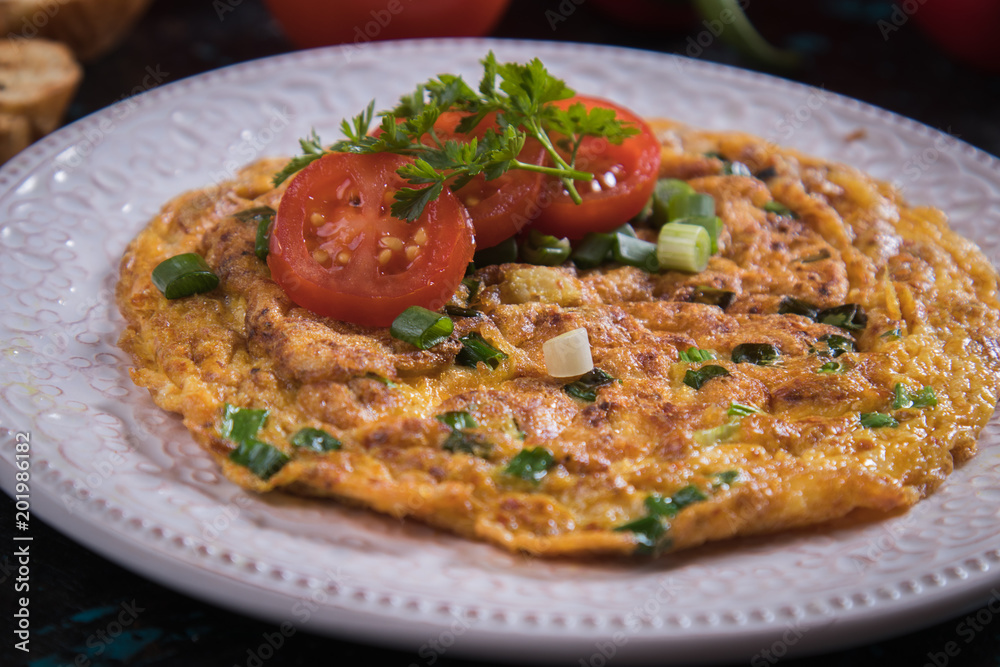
[[697, 378], [904, 398], [694, 355], [241, 426], [586, 387], [523, 101]]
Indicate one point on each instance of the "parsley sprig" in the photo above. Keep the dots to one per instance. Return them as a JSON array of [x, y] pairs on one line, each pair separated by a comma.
[[523, 97]]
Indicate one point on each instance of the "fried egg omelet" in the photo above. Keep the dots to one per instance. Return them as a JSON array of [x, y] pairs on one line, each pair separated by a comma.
[[875, 421]]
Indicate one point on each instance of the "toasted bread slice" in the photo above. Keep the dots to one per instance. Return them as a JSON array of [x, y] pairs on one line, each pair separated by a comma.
[[37, 81], [89, 27]]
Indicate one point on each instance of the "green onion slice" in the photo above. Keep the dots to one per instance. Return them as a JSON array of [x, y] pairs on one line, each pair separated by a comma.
[[736, 169], [741, 410], [475, 349], [504, 252], [831, 367], [697, 378], [665, 190], [691, 205], [694, 355], [878, 420], [260, 458], [818, 257], [241, 424], [725, 478], [631, 251], [457, 419], [683, 247], [711, 223], [791, 305], [669, 507], [713, 296], [780, 209], [850, 316], [544, 250], [838, 345], [459, 311], [762, 354], [315, 439], [593, 250], [892, 334], [421, 328], [904, 398], [586, 387], [568, 354], [648, 532], [184, 275], [531, 464], [711, 436], [263, 216]]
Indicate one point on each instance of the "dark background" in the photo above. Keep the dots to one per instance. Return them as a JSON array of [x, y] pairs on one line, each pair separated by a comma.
[[75, 593]]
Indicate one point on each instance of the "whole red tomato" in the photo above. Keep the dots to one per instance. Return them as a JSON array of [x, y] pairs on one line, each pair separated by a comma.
[[966, 29], [312, 23]]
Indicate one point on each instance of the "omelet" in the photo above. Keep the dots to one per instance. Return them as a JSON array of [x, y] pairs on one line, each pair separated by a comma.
[[867, 408]]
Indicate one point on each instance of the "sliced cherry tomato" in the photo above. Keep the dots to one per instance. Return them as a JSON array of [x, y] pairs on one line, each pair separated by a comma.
[[624, 178], [337, 250]]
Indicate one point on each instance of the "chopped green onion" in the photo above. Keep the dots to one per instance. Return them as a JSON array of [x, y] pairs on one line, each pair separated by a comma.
[[593, 250], [568, 354], [725, 478], [713, 296], [184, 275], [710, 436], [260, 458], [473, 286], [877, 420], [697, 378], [780, 209], [669, 507], [740, 410], [544, 250], [474, 444], [691, 205], [762, 354], [831, 367], [586, 387], [683, 247], [735, 169], [458, 441], [694, 355], [850, 316], [378, 378], [504, 252], [241, 424], [631, 251], [626, 229], [665, 190], [648, 531], [457, 419], [892, 334], [475, 349], [711, 223], [264, 217], [421, 328], [315, 439], [530, 464], [793, 306], [838, 345], [458, 311], [904, 398], [818, 257]]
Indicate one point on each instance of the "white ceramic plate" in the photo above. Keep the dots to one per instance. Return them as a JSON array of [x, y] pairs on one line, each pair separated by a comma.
[[119, 475]]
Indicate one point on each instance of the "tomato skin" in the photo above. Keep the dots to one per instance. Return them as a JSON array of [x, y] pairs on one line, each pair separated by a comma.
[[501, 207], [352, 194], [636, 162], [312, 23]]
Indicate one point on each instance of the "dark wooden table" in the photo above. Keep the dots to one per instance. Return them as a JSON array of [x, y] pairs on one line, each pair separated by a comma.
[[77, 594]]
